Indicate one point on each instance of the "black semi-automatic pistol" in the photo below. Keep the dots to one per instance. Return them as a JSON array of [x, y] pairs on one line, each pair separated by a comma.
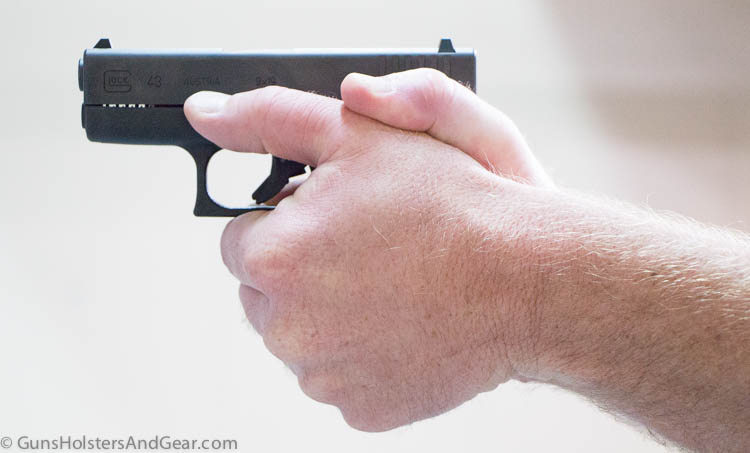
[[136, 96]]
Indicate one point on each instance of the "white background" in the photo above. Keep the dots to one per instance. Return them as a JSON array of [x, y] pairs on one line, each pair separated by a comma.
[[116, 314]]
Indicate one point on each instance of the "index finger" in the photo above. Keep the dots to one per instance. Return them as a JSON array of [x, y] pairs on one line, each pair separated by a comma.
[[290, 124]]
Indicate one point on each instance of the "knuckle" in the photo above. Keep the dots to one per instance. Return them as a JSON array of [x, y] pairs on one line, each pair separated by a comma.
[[366, 419], [266, 265], [322, 387], [232, 249], [315, 117], [227, 247], [267, 258], [322, 182], [292, 333], [289, 110], [263, 105], [429, 75], [434, 84], [267, 96], [441, 90], [240, 245], [251, 103], [431, 94], [433, 76], [277, 341], [285, 340], [256, 262], [271, 97]]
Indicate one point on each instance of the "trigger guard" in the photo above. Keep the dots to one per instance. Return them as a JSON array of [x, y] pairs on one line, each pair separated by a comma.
[[205, 206]]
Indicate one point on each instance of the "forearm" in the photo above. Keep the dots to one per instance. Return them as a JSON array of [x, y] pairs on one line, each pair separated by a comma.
[[648, 316]]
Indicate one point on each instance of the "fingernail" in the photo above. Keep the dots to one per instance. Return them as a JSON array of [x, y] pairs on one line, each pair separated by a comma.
[[207, 101], [378, 85]]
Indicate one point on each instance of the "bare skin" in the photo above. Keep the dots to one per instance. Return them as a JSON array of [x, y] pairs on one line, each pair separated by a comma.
[[429, 258]]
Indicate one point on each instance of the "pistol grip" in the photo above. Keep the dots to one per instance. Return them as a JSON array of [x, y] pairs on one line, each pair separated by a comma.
[[205, 206]]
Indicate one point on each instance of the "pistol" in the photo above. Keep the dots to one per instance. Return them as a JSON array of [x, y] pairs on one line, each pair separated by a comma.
[[136, 96]]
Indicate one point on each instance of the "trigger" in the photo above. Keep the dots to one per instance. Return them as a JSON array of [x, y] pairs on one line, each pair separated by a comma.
[[281, 171]]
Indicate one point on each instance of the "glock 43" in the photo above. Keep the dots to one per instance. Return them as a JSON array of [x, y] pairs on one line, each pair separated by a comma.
[[136, 96]]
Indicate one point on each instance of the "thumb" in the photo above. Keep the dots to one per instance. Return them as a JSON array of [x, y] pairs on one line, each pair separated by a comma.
[[290, 124], [426, 100]]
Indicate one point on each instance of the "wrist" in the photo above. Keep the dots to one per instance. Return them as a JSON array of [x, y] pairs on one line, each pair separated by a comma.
[[509, 272], [571, 299], [550, 305]]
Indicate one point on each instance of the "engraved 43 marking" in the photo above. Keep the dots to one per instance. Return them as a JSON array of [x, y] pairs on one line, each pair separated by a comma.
[[154, 81]]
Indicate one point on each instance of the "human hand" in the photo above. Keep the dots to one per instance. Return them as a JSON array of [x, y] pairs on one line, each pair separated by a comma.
[[368, 281], [623, 307]]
